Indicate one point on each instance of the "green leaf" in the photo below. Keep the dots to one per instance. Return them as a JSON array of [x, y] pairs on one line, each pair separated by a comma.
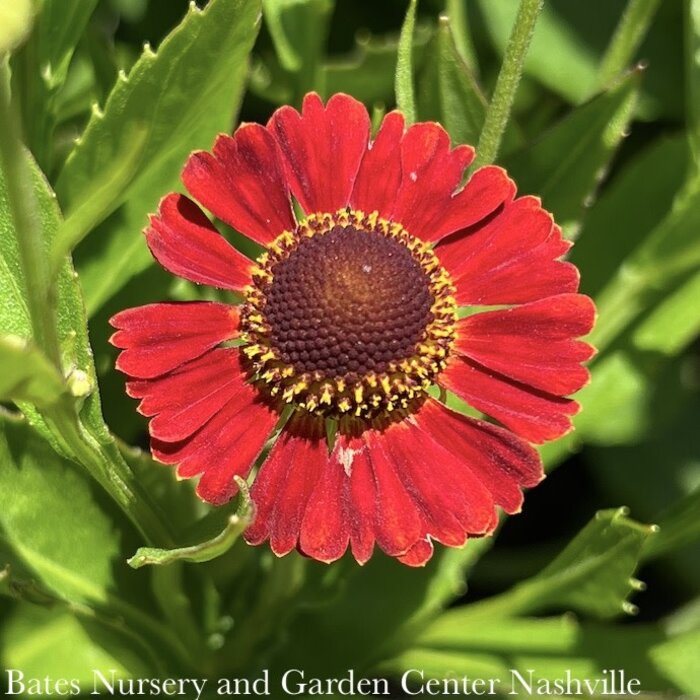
[[677, 659], [299, 29], [658, 470], [203, 551], [447, 90], [458, 17], [69, 311], [15, 23], [333, 639], [40, 642], [27, 375], [572, 74], [550, 649], [368, 72], [656, 267], [619, 416], [183, 95], [692, 55], [631, 29], [73, 548], [82, 434], [679, 525], [405, 98], [40, 69], [593, 574], [632, 204], [566, 164], [674, 322]]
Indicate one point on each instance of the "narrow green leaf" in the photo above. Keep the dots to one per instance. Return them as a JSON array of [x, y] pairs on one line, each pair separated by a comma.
[[203, 551], [692, 75], [183, 95], [619, 416], [368, 72], [27, 375], [458, 15], [650, 180], [678, 527], [593, 574], [656, 267], [299, 29], [15, 24], [405, 98], [98, 203], [674, 323], [541, 651], [40, 69], [447, 90], [633, 26], [566, 164]]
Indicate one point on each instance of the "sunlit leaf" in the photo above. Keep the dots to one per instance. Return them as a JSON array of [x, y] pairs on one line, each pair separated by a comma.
[[540, 651], [183, 95]]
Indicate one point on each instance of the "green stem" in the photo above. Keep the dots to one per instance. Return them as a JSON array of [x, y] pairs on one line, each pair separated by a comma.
[[628, 35], [456, 10], [403, 81], [27, 225], [111, 474], [499, 108]]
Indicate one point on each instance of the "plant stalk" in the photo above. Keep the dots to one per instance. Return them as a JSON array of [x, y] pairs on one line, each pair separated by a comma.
[[501, 103]]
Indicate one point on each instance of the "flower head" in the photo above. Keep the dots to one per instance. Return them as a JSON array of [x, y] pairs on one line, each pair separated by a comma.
[[351, 315]]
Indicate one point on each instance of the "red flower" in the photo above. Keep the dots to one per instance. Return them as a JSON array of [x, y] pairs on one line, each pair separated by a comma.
[[349, 317]]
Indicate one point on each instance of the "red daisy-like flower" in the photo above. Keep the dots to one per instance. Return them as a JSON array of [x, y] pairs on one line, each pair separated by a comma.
[[349, 317]]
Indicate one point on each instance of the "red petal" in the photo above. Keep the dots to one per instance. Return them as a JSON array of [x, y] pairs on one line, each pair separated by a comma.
[[379, 176], [510, 258], [487, 189], [353, 455], [535, 415], [453, 500], [325, 529], [243, 183], [226, 446], [398, 523], [159, 337], [322, 149], [533, 343], [431, 173], [503, 462], [185, 243], [419, 554], [285, 482], [186, 398]]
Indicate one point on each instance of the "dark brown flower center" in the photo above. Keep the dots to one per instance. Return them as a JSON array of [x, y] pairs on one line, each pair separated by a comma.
[[348, 315], [347, 302]]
